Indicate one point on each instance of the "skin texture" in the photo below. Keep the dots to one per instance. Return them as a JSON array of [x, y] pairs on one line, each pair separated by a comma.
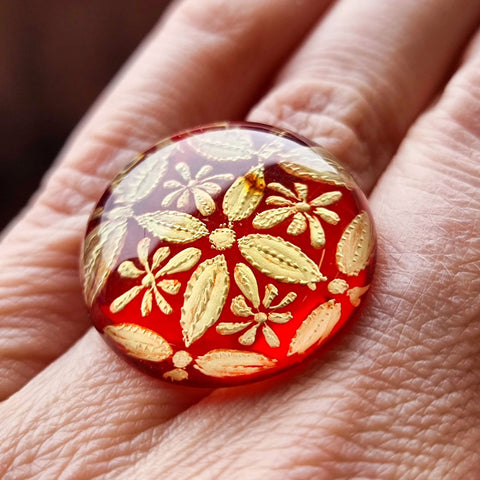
[[390, 88]]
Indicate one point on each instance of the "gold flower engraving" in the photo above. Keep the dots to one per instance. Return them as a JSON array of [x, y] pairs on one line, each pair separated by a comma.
[[202, 187], [205, 297], [222, 238], [301, 210], [316, 327], [232, 363], [139, 342], [246, 281], [356, 245], [181, 262]]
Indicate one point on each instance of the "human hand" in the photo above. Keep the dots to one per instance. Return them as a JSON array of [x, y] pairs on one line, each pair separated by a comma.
[[395, 394]]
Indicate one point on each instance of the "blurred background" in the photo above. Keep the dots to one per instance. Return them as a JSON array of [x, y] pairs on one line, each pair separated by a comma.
[[56, 56]]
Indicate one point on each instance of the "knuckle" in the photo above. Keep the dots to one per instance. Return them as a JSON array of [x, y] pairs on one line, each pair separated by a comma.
[[342, 118]]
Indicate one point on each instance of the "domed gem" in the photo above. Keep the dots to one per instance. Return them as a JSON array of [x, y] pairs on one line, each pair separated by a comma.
[[227, 254]]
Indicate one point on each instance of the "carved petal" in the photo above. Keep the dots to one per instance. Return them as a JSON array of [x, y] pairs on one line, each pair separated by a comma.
[[243, 197], [326, 199], [143, 248], [227, 328], [317, 235], [232, 363], [139, 342], [327, 215], [205, 297], [302, 191], [270, 336], [123, 300], [174, 227], [287, 300], [356, 245], [143, 177], [278, 187], [271, 218], [181, 262], [279, 259], [203, 201], [316, 327], [127, 269], [223, 145], [211, 187], [279, 201], [240, 308], [159, 256], [147, 301], [170, 286], [162, 304], [271, 292], [100, 253], [248, 337], [281, 318], [298, 225], [247, 283]]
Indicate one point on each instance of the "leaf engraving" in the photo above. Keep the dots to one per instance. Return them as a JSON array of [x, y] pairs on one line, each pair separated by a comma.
[[223, 145], [279, 259], [101, 250], [247, 283], [181, 262], [139, 342], [232, 363], [174, 227], [316, 327], [356, 245], [244, 195], [205, 298], [142, 177]]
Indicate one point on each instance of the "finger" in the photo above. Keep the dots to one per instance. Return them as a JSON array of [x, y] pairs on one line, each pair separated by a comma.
[[171, 84], [396, 396], [364, 74]]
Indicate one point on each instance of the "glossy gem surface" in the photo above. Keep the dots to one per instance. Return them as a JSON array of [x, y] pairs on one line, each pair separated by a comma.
[[227, 254]]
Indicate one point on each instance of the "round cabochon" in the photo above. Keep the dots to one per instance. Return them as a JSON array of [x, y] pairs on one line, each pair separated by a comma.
[[227, 254]]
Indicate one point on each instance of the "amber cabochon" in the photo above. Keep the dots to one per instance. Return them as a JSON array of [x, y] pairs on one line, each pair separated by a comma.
[[226, 254]]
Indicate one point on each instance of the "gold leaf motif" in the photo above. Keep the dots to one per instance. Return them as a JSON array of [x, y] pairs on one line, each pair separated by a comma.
[[247, 283], [123, 300], [174, 227], [141, 179], [355, 294], [244, 195], [181, 262], [316, 327], [203, 201], [337, 286], [176, 375], [356, 245], [316, 164], [205, 297], [223, 145], [101, 250], [271, 218], [232, 363], [279, 259], [227, 328], [139, 342]]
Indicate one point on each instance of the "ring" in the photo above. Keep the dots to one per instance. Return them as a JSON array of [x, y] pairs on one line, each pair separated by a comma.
[[227, 254]]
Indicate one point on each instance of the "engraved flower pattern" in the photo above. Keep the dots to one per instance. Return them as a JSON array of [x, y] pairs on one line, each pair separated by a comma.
[[245, 280], [201, 187], [305, 213], [149, 285]]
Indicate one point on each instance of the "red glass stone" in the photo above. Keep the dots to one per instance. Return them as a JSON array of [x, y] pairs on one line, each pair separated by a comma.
[[227, 254]]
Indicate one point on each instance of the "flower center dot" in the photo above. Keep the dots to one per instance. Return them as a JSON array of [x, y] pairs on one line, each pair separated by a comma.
[[222, 238], [303, 207]]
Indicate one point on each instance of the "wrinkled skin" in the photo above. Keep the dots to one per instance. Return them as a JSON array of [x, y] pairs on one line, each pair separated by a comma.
[[393, 89]]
